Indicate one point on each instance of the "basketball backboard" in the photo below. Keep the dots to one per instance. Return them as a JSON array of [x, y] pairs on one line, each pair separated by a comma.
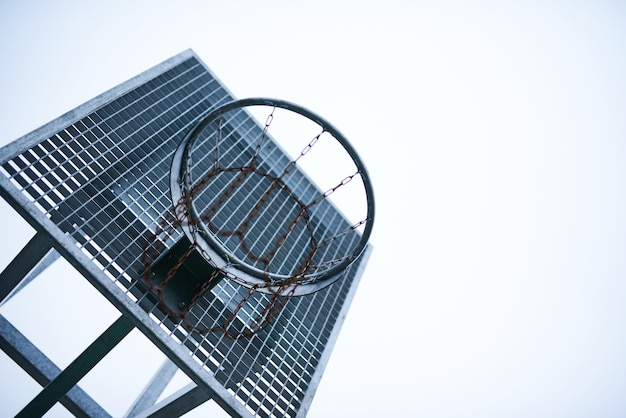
[[95, 184]]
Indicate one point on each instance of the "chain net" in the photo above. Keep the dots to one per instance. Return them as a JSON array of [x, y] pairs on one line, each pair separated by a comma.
[[254, 216]]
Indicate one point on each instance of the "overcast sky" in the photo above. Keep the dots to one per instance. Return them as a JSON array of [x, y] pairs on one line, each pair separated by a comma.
[[495, 136]]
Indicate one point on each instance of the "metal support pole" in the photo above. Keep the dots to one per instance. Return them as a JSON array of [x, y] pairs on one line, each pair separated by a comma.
[[43, 264], [177, 404], [24, 262], [26, 355], [77, 369], [154, 388]]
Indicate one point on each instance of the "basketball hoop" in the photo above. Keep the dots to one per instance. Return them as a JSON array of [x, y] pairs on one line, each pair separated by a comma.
[[273, 224]]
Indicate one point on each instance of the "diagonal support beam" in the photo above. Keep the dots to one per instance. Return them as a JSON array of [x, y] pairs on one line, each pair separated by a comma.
[[77, 369], [26, 355], [45, 262], [177, 404], [154, 388], [26, 260]]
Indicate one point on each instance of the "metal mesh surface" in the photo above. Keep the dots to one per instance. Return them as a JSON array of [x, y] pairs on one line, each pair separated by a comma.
[[103, 180]]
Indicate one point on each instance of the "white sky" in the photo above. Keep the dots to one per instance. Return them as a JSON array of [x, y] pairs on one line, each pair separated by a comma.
[[495, 134]]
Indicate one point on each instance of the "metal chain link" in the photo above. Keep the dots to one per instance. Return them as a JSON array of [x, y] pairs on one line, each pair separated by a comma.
[[181, 215], [268, 122], [304, 151]]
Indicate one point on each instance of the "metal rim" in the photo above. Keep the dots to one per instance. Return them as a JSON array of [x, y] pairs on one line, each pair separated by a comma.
[[238, 270]]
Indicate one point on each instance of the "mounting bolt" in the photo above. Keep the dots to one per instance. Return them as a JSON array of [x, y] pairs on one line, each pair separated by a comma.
[[181, 305]]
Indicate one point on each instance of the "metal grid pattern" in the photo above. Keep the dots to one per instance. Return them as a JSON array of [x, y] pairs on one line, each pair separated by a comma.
[[103, 180], [231, 143]]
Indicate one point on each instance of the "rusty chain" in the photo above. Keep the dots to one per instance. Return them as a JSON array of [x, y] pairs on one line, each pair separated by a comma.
[[181, 215]]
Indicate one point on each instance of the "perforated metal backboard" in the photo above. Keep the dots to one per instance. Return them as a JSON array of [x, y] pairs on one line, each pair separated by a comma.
[[95, 182]]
